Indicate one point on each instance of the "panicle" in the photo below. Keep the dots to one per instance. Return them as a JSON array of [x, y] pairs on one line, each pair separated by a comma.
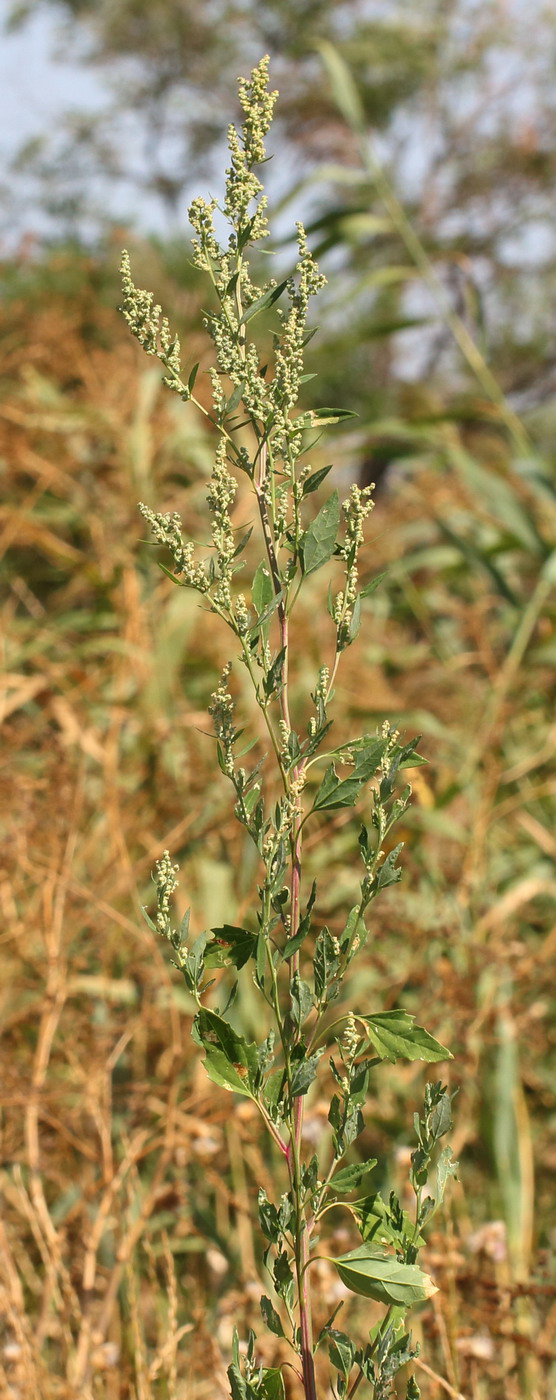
[[166, 884], [221, 710], [247, 149]]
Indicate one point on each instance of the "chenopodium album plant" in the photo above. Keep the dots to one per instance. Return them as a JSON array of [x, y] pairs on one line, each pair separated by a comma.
[[299, 971]]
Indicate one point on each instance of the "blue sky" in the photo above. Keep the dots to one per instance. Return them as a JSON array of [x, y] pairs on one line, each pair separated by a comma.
[[36, 90], [35, 87]]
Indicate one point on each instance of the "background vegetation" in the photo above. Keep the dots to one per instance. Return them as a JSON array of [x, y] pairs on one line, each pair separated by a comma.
[[126, 1251]]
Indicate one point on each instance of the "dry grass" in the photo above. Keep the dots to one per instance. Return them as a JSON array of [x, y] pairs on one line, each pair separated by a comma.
[[127, 1251]]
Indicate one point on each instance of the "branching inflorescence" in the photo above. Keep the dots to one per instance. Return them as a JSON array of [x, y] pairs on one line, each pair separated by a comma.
[[261, 432]]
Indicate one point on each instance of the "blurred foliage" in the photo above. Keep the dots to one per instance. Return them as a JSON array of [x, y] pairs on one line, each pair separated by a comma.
[[460, 100], [126, 1250]]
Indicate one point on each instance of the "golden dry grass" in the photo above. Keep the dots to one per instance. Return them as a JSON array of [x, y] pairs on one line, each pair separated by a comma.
[[127, 1248]]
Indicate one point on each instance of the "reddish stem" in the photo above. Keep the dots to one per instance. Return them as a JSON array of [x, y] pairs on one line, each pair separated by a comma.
[[294, 1148], [305, 1315]]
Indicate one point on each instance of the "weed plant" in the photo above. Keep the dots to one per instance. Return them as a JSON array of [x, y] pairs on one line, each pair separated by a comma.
[[127, 1246], [298, 966]]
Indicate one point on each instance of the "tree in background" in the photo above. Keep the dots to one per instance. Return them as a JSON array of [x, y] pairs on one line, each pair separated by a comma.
[[461, 101]]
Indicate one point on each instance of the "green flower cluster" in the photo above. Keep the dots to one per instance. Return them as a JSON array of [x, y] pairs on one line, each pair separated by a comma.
[[166, 886], [247, 150], [221, 710], [149, 326]]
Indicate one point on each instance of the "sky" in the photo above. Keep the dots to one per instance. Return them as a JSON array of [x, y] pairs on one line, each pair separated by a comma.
[[36, 89]]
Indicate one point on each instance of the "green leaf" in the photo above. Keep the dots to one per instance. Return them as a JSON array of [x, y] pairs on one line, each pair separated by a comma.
[[261, 949], [270, 1317], [324, 1332], [268, 611], [350, 1177], [315, 740], [221, 1072], [304, 1074], [283, 1277], [271, 1386], [394, 1036], [273, 681], [294, 748], [376, 1274], [310, 1174], [234, 399], [321, 417], [354, 935], [301, 998], [440, 1117], [267, 299], [446, 1167], [341, 1351], [242, 543], [246, 748], [344, 91], [371, 750], [376, 1224], [411, 758], [238, 1388], [326, 962], [318, 541], [262, 590], [244, 234], [268, 1218], [313, 482], [336, 792], [192, 378], [234, 945], [372, 585], [355, 620], [389, 873], [169, 574], [150, 922], [294, 943], [335, 1113], [360, 1082], [235, 1348], [265, 1052], [229, 1060], [343, 792]]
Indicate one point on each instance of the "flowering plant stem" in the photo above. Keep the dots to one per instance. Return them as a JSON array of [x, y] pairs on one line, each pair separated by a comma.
[[297, 964]]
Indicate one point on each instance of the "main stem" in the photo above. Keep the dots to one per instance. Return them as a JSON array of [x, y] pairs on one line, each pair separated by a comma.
[[302, 1242], [294, 1151]]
